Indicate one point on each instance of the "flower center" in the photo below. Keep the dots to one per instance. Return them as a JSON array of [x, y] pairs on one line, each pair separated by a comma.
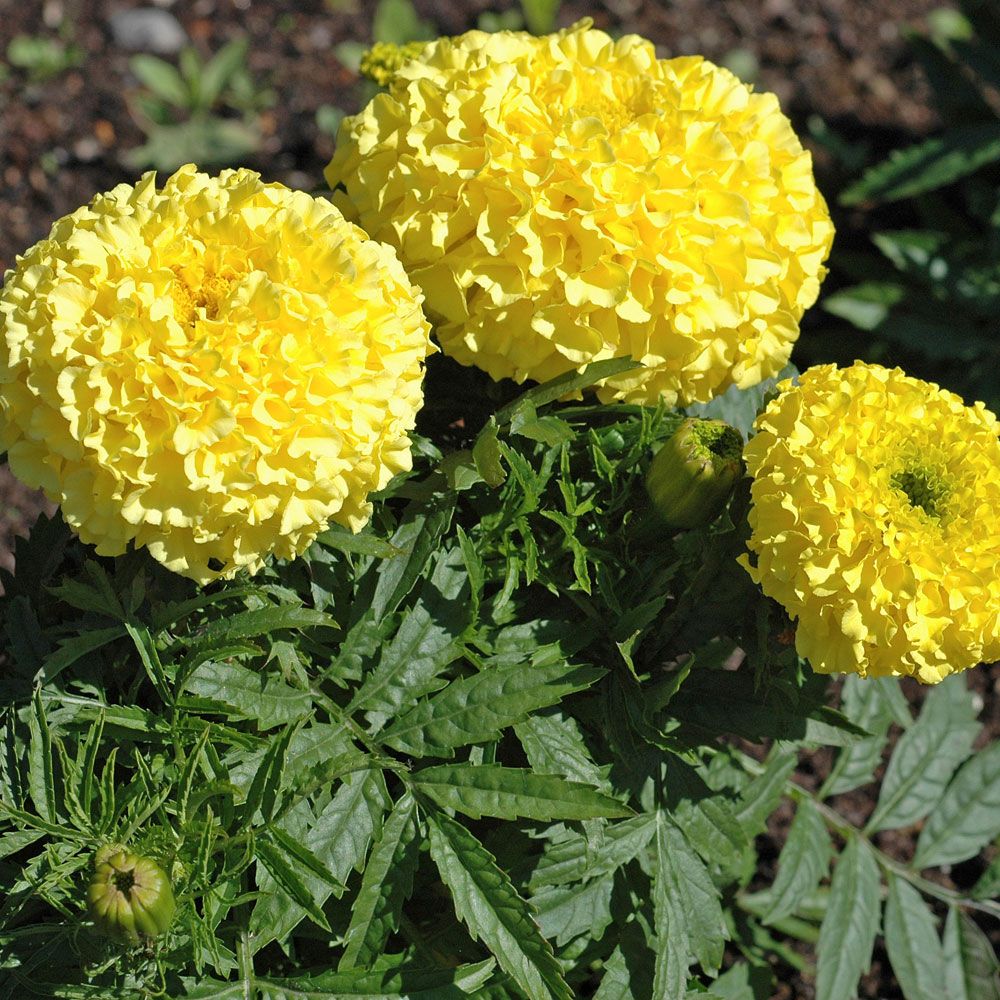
[[924, 488], [613, 112], [203, 299], [124, 881]]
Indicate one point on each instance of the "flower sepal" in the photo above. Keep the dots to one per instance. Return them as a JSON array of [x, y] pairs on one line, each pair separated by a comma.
[[129, 897], [693, 475]]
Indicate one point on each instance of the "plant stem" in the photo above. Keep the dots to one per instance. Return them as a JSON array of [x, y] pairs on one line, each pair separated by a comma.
[[847, 829]]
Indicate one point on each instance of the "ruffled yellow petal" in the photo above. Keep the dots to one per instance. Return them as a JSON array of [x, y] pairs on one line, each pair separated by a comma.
[[570, 198], [875, 522], [214, 371]]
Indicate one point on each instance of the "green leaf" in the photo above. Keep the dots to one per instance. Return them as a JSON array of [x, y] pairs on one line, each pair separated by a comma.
[[416, 540], [739, 407], [387, 882], [848, 931], [566, 385], [220, 70], [261, 621], [339, 837], [865, 704], [681, 875], [988, 884], [263, 791], [487, 903], [161, 78], [397, 21], [623, 978], [971, 969], [579, 857], [249, 694], [41, 770], [804, 860], [478, 708], [761, 797], [928, 165], [150, 660], [926, 757], [74, 648], [911, 940], [304, 859], [363, 543], [540, 15], [285, 874], [968, 815], [425, 645], [866, 305], [487, 455], [210, 141], [725, 701], [513, 793], [567, 912], [671, 942], [552, 743]]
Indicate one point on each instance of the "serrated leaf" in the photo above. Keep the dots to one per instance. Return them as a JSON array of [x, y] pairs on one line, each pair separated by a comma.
[[416, 540], [487, 455], [263, 791], [286, 875], [847, 934], [75, 647], [670, 920], [971, 969], [249, 694], [925, 758], [804, 860], [928, 165], [552, 743], [478, 708], [687, 883], [487, 903], [514, 793], [911, 940], [566, 385], [988, 884], [261, 621], [387, 882], [339, 837], [579, 857], [714, 701], [761, 797], [41, 769], [968, 815], [864, 704], [425, 645], [567, 912]]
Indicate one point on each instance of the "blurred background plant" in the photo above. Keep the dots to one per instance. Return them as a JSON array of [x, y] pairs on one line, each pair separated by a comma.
[[926, 287], [183, 109]]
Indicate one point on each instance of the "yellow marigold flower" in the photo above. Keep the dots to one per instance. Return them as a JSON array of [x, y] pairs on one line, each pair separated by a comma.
[[214, 371], [383, 60], [876, 522], [570, 198]]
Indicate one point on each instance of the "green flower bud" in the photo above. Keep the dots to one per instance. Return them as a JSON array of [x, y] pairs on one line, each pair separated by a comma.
[[693, 474], [129, 897]]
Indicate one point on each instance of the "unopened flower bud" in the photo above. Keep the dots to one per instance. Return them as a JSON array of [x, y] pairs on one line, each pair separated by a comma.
[[693, 474], [129, 897]]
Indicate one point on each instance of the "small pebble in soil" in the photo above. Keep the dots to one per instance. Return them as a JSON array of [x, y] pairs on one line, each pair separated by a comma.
[[148, 29]]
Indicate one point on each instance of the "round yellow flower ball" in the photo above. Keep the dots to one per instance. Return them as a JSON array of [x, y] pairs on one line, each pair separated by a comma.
[[876, 522], [214, 371], [570, 198]]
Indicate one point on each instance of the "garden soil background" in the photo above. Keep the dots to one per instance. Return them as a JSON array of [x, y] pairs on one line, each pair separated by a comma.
[[66, 138]]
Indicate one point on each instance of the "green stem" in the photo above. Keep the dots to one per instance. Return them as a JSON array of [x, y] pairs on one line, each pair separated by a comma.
[[847, 829]]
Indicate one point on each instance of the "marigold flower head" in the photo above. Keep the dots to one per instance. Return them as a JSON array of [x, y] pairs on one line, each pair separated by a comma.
[[213, 371], [570, 198], [876, 522]]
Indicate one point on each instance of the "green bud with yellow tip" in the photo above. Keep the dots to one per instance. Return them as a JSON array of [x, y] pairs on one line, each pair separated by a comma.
[[693, 475], [129, 897]]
